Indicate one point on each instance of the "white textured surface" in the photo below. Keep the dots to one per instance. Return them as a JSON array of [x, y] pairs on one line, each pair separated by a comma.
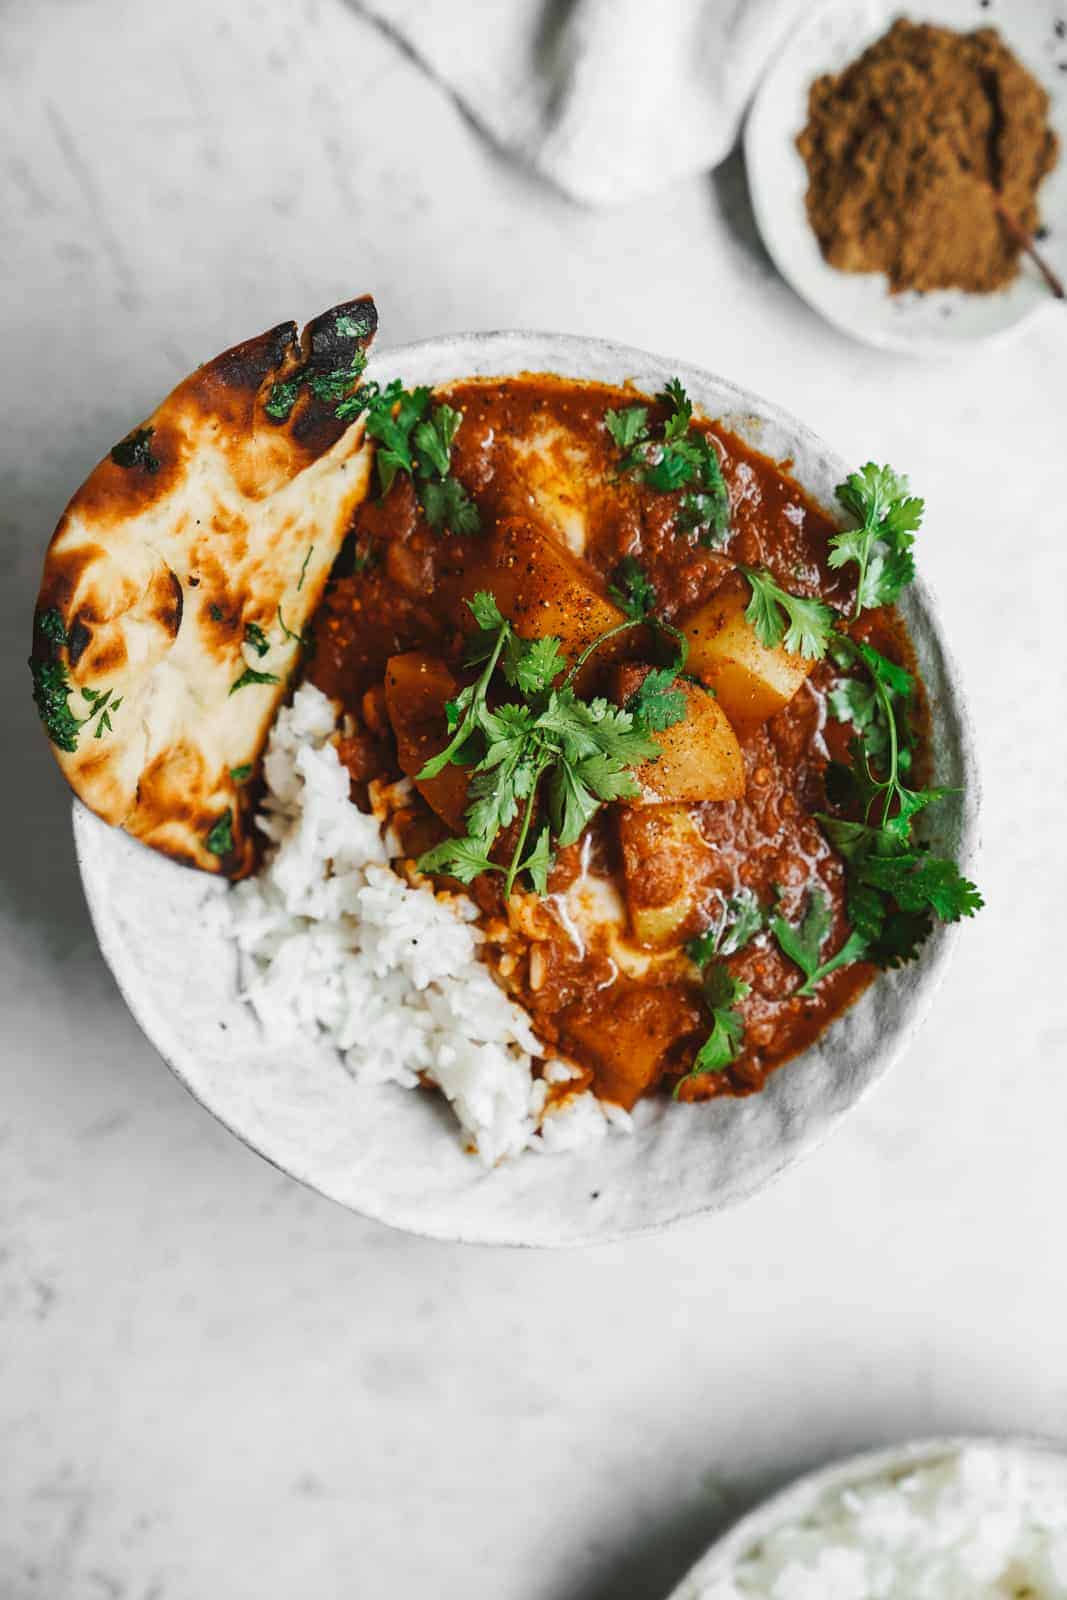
[[215, 1383]]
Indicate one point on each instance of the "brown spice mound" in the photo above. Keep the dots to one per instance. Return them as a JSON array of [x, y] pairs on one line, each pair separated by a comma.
[[910, 149]]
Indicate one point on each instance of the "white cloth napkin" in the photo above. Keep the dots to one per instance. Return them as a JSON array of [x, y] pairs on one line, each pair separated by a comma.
[[608, 99]]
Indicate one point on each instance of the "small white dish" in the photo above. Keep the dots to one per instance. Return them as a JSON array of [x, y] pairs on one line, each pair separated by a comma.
[[801, 1498], [827, 40], [394, 1155]]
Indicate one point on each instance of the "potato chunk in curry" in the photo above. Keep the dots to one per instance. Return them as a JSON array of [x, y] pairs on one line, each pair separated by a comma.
[[543, 589], [417, 686], [628, 1035], [666, 865], [751, 682], [701, 758]]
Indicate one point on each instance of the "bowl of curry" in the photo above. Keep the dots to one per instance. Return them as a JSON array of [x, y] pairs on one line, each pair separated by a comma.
[[626, 661]]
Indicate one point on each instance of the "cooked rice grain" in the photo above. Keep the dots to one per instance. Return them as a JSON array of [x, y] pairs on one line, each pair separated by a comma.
[[982, 1524]]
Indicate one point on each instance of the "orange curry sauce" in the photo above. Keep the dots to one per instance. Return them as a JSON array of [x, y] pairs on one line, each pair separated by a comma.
[[630, 1017]]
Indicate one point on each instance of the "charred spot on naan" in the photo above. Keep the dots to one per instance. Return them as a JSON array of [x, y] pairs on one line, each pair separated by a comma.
[[114, 492], [318, 376], [158, 701], [246, 365]]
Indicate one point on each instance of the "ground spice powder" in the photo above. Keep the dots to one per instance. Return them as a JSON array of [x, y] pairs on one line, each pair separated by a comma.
[[910, 149]]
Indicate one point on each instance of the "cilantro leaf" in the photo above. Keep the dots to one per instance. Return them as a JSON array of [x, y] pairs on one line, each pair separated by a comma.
[[414, 439], [239, 774], [880, 548], [676, 466], [920, 882], [51, 689], [220, 840], [627, 427], [803, 943], [571, 803], [485, 611], [742, 921], [742, 918], [255, 637], [680, 457], [305, 640], [448, 505], [50, 624], [658, 703], [464, 859], [354, 324], [539, 662], [722, 1046], [433, 440], [608, 777], [631, 589], [250, 675], [330, 387], [805, 625], [282, 397], [681, 408], [538, 864]]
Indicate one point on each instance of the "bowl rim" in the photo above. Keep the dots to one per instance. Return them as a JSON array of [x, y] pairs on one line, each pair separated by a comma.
[[540, 346], [797, 1498]]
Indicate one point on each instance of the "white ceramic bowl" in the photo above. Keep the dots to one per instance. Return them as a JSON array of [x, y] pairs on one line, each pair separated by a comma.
[[393, 1154], [801, 1498], [828, 39]]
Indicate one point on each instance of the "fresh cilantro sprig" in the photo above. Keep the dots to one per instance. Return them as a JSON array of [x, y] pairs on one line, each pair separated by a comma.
[[577, 754], [803, 942], [416, 438], [658, 703], [896, 888], [631, 588], [674, 457], [883, 746], [857, 699], [805, 625], [880, 548], [742, 919], [722, 992]]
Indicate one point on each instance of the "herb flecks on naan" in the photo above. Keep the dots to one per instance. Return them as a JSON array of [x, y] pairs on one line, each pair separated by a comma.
[[179, 581]]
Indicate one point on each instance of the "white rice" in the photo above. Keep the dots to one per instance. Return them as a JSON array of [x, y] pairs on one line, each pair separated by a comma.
[[982, 1524], [331, 937]]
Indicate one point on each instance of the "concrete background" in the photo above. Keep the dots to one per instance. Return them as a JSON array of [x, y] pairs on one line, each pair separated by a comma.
[[213, 1383]]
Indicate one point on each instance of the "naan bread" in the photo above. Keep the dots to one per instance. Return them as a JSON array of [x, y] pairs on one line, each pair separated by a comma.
[[188, 563]]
